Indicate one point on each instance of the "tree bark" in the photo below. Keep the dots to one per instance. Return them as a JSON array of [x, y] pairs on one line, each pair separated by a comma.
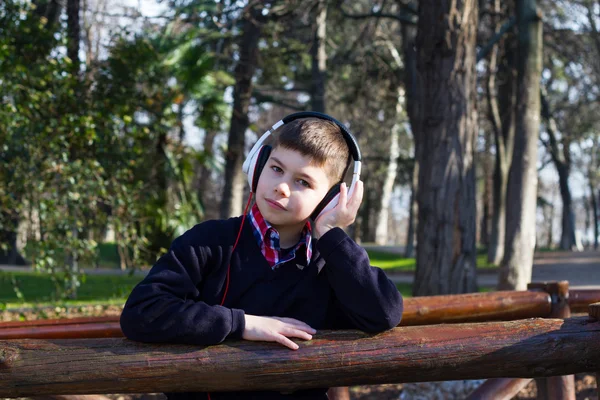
[[9, 254], [409, 35], [516, 266], [562, 162], [381, 230], [595, 217], [446, 231], [204, 181], [501, 103], [73, 32], [319, 58], [233, 190], [488, 187]]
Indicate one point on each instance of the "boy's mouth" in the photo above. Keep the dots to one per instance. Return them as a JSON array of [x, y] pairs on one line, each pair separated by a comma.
[[275, 204]]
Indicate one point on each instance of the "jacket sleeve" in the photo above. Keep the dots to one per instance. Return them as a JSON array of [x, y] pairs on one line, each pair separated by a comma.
[[165, 305], [363, 293]]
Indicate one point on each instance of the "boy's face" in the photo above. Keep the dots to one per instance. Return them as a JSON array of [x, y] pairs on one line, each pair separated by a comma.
[[290, 188]]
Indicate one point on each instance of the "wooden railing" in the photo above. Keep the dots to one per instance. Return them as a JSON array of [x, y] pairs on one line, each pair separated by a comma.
[[473, 307], [524, 348], [543, 300]]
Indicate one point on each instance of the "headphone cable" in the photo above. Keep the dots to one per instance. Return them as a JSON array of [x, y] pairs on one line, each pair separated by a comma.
[[232, 250]]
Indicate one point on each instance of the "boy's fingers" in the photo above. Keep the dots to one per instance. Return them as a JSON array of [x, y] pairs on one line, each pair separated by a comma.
[[297, 324], [343, 195], [297, 333], [286, 342]]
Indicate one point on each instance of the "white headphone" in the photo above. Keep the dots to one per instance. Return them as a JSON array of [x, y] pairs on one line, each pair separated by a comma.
[[259, 154]]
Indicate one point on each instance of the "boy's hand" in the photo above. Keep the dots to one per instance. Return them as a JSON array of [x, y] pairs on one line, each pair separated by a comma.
[[343, 214], [275, 329]]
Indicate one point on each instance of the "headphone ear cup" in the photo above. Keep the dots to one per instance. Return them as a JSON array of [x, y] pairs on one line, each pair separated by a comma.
[[261, 161], [329, 201]]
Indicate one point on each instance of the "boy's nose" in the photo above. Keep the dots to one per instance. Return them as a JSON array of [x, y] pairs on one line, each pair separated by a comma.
[[283, 188]]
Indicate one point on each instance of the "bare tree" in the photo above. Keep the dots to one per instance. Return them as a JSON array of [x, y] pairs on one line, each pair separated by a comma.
[[409, 34], [233, 190], [446, 231], [73, 32], [319, 58], [516, 266], [560, 151], [501, 96]]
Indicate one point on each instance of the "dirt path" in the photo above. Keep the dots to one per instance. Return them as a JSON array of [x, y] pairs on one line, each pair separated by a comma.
[[581, 269]]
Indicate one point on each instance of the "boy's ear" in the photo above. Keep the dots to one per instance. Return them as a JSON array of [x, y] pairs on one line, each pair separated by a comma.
[[261, 161], [329, 201]]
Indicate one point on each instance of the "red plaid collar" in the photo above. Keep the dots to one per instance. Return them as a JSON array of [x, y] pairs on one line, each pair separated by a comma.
[[268, 239]]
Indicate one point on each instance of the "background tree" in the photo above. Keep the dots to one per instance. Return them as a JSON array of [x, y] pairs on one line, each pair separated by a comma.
[[446, 228], [515, 270]]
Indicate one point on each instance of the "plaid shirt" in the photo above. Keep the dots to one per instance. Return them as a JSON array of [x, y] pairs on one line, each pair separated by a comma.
[[268, 240]]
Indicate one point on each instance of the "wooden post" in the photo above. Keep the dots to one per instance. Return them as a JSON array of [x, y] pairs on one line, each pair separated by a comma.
[[594, 312], [499, 389], [556, 387]]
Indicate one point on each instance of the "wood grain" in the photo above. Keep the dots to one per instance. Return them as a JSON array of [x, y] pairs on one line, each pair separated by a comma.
[[526, 348]]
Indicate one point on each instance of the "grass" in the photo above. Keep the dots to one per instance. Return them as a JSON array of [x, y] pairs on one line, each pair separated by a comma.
[[391, 262], [108, 257], [38, 289]]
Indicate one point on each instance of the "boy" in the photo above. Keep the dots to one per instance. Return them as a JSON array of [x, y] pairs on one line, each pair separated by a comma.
[[284, 279]]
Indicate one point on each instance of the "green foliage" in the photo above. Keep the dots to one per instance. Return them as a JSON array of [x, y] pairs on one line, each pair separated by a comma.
[[80, 156]]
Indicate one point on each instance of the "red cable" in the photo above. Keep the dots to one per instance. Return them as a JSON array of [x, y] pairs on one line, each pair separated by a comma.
[[234, 246], [232, 250]]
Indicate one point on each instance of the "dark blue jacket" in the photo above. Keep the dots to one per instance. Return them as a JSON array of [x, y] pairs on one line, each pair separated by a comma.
[[178, 301]]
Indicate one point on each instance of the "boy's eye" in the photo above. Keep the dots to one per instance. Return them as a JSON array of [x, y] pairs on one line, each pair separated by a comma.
[[276, 168], [304, 183]]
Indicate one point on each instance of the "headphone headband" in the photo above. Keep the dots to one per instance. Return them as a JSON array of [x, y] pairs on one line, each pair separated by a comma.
[[258, 155], [350, 139]]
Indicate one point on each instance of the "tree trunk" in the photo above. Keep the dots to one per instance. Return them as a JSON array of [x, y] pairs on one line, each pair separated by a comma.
[[49, 9], [595, 220], [73, 32], [9, 222], [381, 230], [367, 233], [501, 103], [409, 250], [488, 187], [204, 182], [515, 269], [446, 252], [409, 35], [319, 58], [567, 236], [233, 191], [563, 167]]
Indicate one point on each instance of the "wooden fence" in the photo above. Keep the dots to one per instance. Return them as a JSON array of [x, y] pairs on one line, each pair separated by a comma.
[[524, 348]]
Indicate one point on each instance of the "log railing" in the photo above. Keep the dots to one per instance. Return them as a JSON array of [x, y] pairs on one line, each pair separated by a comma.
[[543, 300], [472, 307], [525, 349]]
